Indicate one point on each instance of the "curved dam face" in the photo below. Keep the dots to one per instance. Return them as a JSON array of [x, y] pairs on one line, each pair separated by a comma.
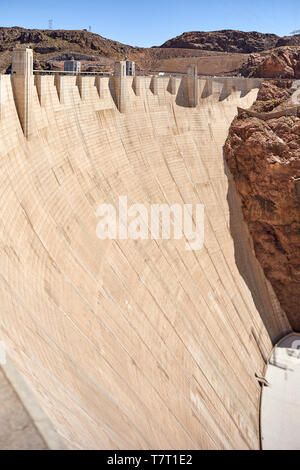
[[131, 344]]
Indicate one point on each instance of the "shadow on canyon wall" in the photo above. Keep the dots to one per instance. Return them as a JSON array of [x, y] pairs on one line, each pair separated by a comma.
[[264, 298]]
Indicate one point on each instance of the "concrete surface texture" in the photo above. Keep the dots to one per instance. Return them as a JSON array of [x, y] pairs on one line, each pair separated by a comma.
[[22, 85], [131, 344], [23, 423], [17, 429], [280, 411]]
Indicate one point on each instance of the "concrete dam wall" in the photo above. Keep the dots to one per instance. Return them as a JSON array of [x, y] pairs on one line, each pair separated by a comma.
[[130, 344]]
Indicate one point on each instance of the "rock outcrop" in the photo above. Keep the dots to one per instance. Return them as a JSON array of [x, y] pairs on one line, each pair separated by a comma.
[[264, 158], [225, 41], [289, 41], [229, 40], [281, 63], [49, 41], [47, 44]]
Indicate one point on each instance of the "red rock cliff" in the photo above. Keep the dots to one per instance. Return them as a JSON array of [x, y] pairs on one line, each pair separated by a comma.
[[264, 158]]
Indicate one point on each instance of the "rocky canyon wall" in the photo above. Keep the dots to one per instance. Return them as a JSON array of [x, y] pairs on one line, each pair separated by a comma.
[[264, 158]]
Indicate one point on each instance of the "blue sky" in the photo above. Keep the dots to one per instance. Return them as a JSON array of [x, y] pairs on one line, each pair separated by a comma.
[[142, 23]]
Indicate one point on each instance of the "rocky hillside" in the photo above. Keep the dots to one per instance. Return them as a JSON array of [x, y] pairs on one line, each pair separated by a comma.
[[264, 158], [280, 63], [54, 41], [49, 43], [225, 41], [231, 41], [51, 47], [289, 41]]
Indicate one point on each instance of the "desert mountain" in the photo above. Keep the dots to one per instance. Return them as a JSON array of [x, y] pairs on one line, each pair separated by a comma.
[[215, 53], [51, 47], [231, 41]]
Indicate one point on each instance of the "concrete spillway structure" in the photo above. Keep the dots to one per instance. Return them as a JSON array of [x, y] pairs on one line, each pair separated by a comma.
[[131, 344]]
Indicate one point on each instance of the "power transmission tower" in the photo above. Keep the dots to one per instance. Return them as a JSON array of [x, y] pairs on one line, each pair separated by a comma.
[[90, 29], [50, 24]]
